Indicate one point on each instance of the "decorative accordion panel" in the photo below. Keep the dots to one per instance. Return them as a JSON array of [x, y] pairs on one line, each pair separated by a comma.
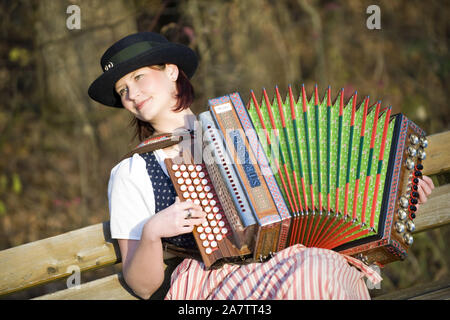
[[349, 171]]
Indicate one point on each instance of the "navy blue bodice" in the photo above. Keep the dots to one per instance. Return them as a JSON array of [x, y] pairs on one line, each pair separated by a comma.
[[165, 196]]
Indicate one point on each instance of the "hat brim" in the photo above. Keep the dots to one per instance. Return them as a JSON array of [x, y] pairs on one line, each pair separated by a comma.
[[102, 89]]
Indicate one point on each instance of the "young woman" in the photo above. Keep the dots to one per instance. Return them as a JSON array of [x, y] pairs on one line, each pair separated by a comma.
[[149, 76]]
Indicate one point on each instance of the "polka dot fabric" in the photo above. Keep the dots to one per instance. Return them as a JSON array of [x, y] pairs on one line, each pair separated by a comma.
[[165, 196]]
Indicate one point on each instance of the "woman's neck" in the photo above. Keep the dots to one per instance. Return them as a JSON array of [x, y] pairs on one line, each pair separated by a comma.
[[171, 121]]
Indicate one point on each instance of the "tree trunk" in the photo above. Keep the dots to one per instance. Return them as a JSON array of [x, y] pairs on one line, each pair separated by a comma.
[[69, 60]]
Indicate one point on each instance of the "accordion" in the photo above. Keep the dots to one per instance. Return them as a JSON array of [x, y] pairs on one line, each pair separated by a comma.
[[285, 171]]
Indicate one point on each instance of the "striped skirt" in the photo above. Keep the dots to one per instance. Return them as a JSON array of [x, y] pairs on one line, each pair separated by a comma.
[[294, 273]]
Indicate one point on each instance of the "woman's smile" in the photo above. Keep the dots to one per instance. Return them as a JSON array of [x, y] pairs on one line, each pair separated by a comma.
[[141, 104]]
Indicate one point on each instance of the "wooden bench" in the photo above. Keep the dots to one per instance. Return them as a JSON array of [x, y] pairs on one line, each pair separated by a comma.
[[91, 248]]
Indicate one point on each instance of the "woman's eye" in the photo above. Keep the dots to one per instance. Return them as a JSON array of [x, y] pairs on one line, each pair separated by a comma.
[[139, 76], [122, 92]]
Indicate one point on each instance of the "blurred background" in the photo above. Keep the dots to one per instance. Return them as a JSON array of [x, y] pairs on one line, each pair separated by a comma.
[[57, 146]]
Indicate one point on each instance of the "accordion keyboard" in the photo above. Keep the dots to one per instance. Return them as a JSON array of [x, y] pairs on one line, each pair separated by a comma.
[[214, 236]]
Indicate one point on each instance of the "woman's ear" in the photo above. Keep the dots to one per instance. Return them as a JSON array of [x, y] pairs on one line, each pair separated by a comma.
[[172, 71]]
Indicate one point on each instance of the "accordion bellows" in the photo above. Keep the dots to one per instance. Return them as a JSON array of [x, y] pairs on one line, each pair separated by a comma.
[[337, 175]]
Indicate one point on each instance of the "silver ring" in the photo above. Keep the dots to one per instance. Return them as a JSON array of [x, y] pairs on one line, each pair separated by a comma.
[[189, 214]]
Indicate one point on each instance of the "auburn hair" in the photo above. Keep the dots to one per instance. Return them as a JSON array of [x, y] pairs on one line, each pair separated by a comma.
[[184, 95]]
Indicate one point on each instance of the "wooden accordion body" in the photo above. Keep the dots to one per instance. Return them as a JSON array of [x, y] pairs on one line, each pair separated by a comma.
[[279, 173]]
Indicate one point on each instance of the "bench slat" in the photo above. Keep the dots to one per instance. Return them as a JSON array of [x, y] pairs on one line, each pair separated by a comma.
[[436, 290], [435, 212], [49, 259], [112, 287], [438, 154], [107, 288]]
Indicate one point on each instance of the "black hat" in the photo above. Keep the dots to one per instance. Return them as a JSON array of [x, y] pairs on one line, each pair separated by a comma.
[[133, 52]]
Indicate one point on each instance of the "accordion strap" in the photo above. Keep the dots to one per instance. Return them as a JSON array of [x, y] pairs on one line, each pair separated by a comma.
[[159, 141]]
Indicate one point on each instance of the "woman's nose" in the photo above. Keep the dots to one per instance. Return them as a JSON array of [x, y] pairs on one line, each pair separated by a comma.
[[133, 92]]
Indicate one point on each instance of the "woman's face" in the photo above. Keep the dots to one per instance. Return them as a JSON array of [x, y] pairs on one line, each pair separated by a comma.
[[148, 91]]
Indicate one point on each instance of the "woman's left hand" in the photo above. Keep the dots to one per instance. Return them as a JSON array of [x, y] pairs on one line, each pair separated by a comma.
[[425, 187]]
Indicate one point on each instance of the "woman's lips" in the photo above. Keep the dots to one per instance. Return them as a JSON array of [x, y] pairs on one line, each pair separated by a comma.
[[140, 105]]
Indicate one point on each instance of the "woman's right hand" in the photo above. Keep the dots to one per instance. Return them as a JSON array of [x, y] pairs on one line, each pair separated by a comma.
[[173, 220]]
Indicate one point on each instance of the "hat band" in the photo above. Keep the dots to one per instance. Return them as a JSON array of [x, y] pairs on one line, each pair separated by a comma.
[[129, 52]]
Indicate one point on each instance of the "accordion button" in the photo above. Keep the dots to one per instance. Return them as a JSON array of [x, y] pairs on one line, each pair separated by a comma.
[[210, 237], [207, 188], [412, 208], [205, 243], [402, 214], [198, 168], [408, 238], [218, 216], [183, 188], [412, 151], [186, 195], [415, 194], [201, 195], [204, 182], [219, 237], [409, 163], [421, 154], [216, 230], [224, 230], [207, 209], [191, 189], [174, 167], [216, 209], [202, 236], [419, 166], [204, 202], [213, 223], [177, 174], [205, 224], [191, 167], [194, 174], [210, 216], [410, 226], [417, 173], [185, 174], [213, 244], [182, 167], [212, 202], [210, 196], [208, 250], [196, 182], [404, 202], [221, 224], [188, 181], [194, 195], [423, 142], [413, 201], [400, 227], [199, 229], [414, 139], [197, 202], [201, 175], [412, 215], [208, 230]]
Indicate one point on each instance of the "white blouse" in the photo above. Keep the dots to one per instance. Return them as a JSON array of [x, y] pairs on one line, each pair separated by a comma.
[[130, 196]]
